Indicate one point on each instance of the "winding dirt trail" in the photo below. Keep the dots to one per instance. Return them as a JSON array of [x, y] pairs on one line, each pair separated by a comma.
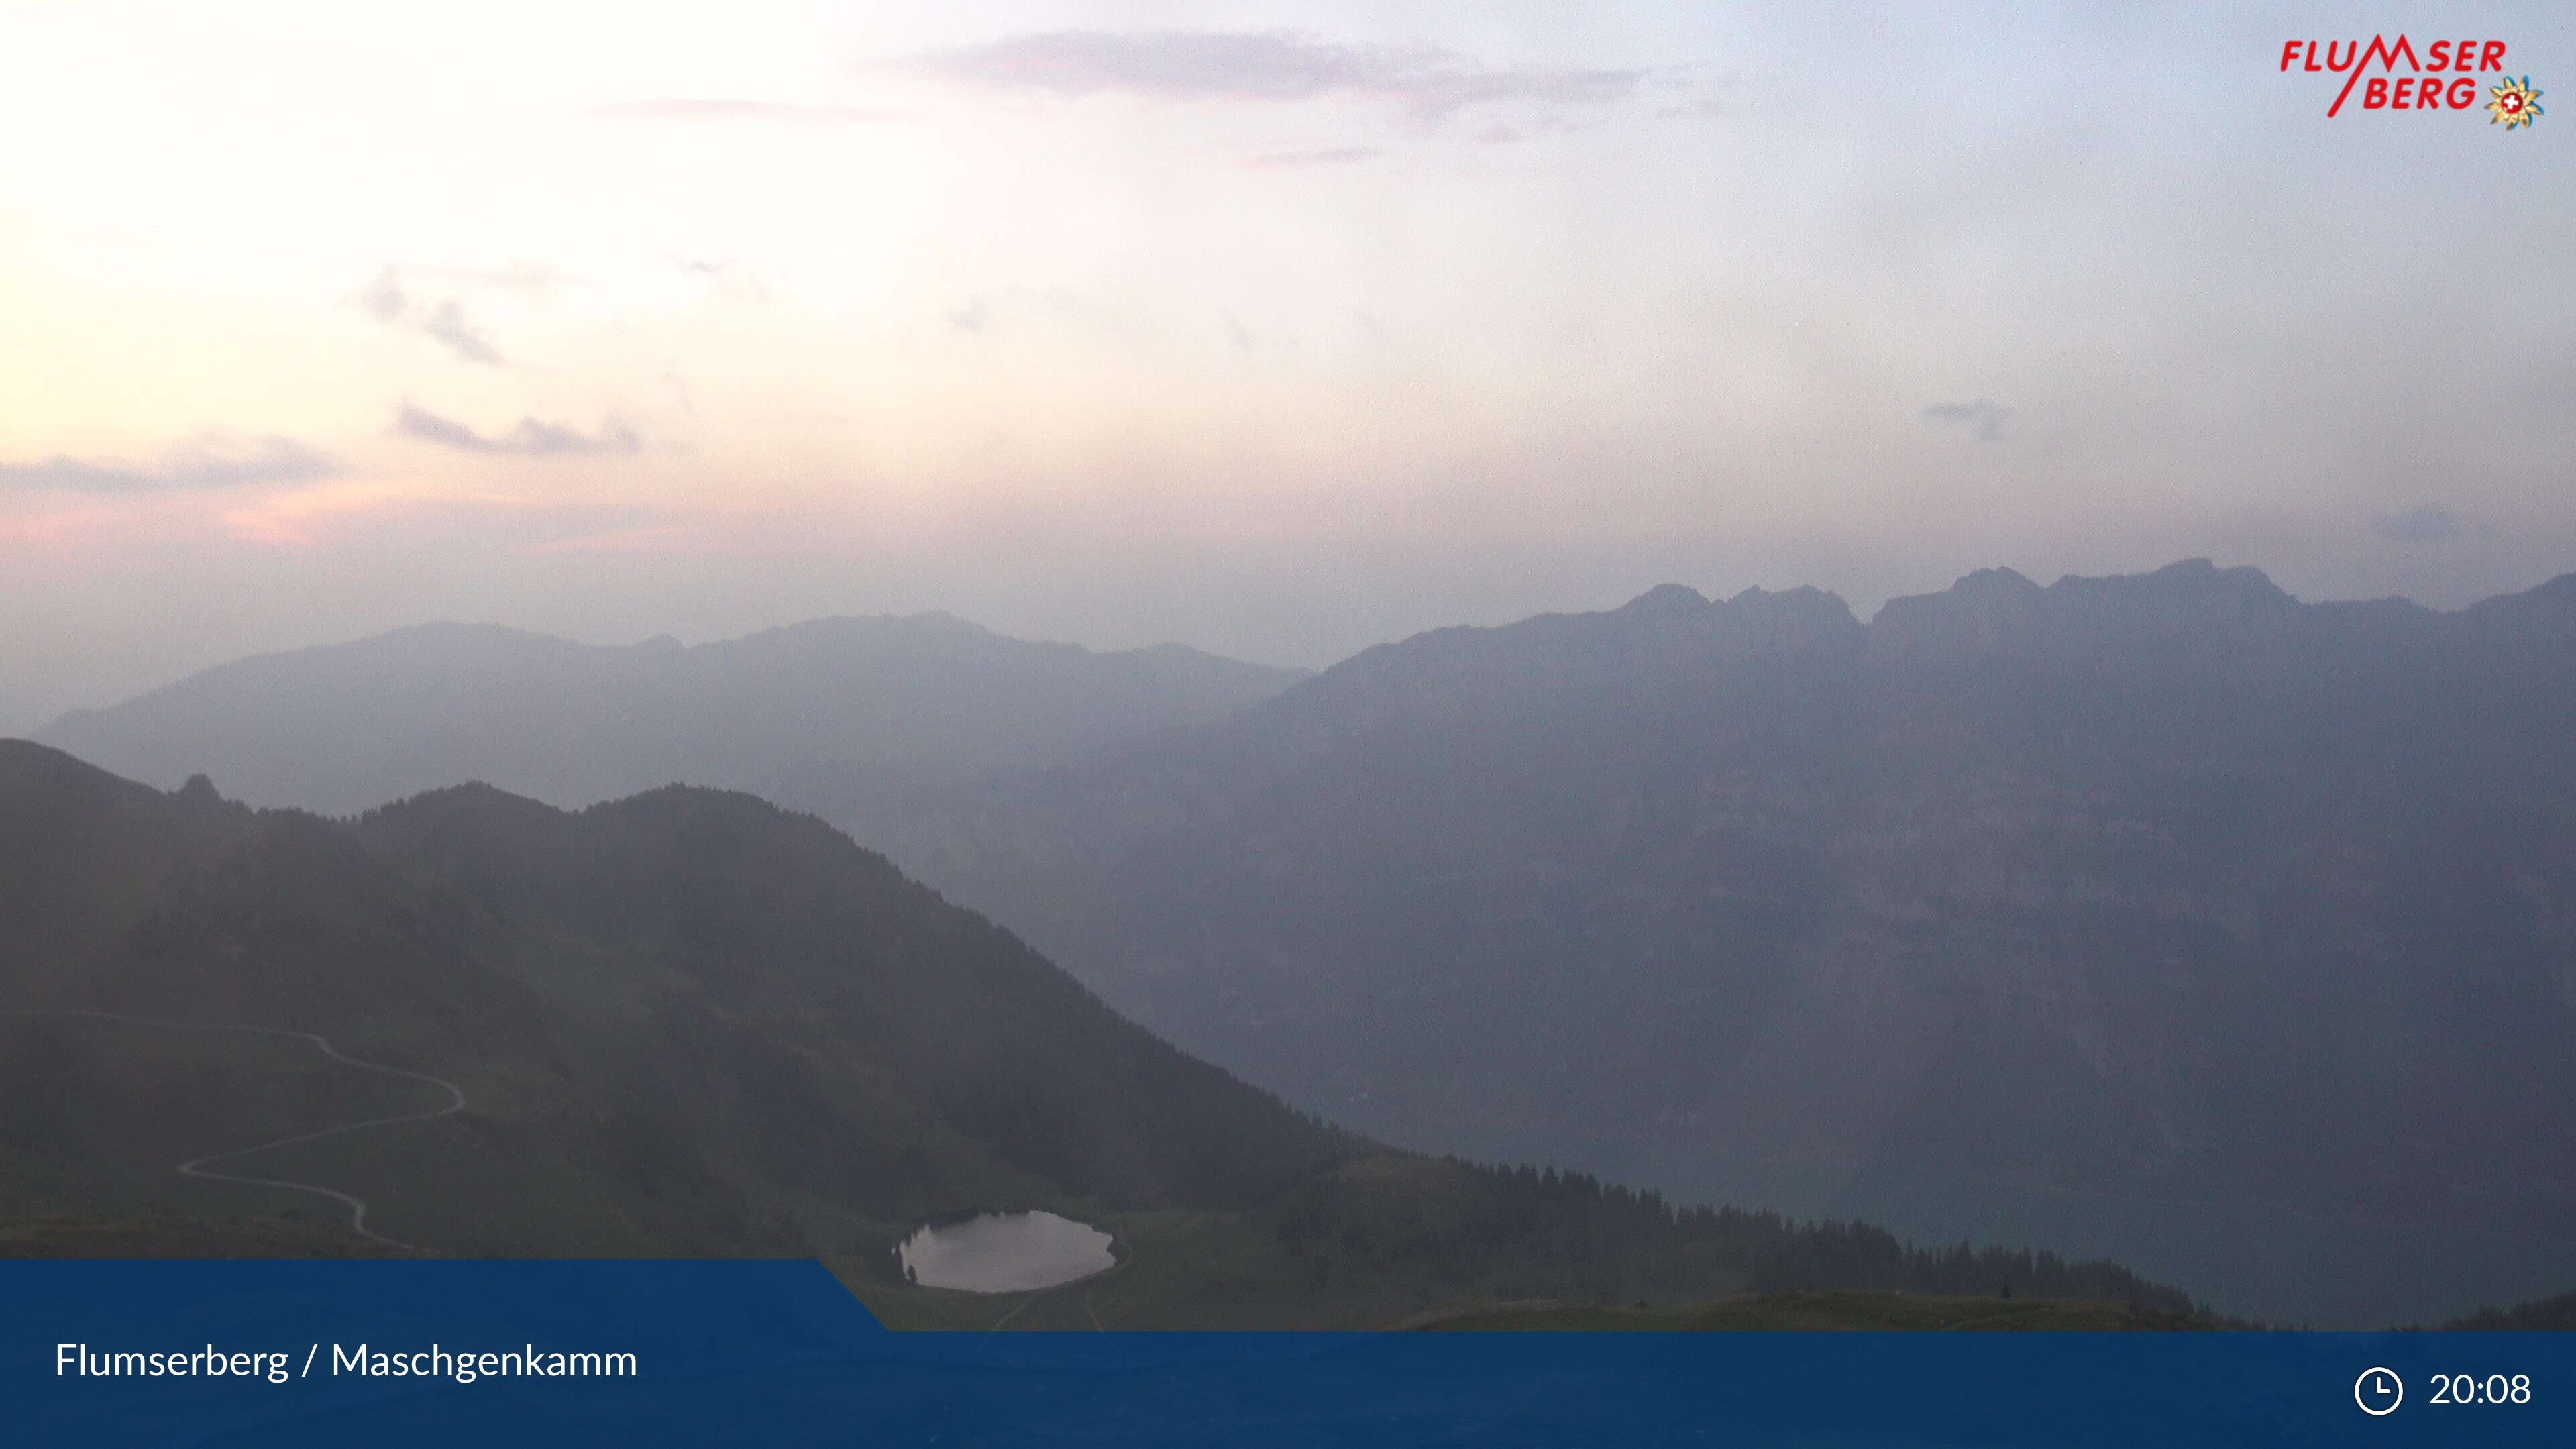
[[197, 1167]]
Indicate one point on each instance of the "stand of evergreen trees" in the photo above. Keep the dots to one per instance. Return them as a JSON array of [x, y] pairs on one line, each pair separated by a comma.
[[1525, 1232]]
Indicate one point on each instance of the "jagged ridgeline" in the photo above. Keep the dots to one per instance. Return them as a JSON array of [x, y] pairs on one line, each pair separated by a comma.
[[690, 1022], [2166, 917]]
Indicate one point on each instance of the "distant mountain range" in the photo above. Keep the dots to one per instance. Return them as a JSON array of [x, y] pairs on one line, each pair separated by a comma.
[[827, 713], [2162, 915], [689, 1022]]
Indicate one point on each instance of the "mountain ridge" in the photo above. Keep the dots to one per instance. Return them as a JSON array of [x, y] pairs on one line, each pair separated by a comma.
[[2165, 879], [827, 709]]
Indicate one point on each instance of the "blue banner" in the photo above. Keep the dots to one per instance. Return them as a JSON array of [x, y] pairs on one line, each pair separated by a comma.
[[747, 1354]]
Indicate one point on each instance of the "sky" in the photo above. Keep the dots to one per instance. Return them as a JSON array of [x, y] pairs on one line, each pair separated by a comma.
[[1280, 330]]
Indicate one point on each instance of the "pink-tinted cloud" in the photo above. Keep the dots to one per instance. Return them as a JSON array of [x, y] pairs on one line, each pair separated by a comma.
[[1265, 66], [529, 437], [210, 461], [1326, 156], [676, 108]]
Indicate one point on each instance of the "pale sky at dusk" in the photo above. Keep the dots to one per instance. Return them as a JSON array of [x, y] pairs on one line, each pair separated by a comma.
[[1280, 330]]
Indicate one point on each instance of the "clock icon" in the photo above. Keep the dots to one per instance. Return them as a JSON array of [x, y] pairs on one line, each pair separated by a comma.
[[2378, 1391]]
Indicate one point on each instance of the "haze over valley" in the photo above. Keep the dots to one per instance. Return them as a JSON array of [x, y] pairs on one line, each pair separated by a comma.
[[1297, 663], [2162, 918], [690, 1023]]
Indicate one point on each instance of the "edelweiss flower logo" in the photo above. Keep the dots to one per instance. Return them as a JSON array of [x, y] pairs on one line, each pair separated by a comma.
[[2515, 103]]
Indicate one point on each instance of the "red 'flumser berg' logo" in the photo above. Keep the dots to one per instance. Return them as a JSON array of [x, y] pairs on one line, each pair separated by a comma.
[[2445, 78]]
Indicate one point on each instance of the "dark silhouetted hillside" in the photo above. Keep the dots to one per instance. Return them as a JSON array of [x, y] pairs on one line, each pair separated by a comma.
[[690, 1022]]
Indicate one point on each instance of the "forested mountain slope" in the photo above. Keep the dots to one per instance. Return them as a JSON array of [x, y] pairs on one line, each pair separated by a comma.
[[2162, 914]]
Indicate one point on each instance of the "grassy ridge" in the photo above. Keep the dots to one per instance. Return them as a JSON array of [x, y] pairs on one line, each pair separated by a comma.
[[691, 1024]]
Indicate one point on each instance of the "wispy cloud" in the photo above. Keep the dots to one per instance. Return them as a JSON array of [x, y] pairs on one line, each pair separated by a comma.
[[528, 438], [210, 461], [1688, 93], [443, 322], [1327, 156], [446, 325], [729, 280], [1984, 419], [2429, 523], [1271, 66], [1013, 304], [686, 109]]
